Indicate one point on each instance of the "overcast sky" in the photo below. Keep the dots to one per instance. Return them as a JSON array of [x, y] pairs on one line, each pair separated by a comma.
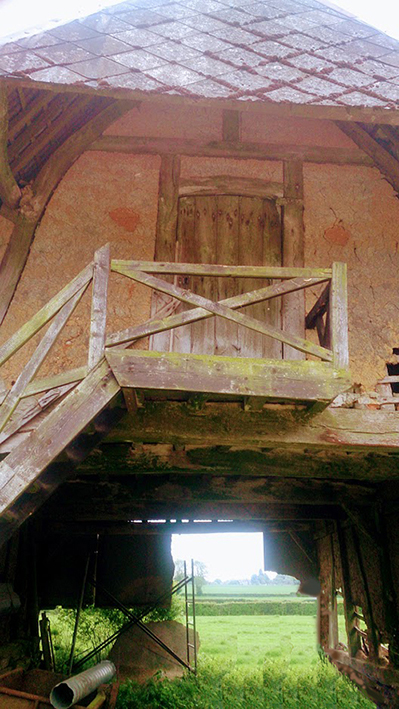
[[19, 15], [227, 556]]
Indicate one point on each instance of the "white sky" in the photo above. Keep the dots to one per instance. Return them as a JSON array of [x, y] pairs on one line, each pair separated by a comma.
[[16, 16], [226, 555]]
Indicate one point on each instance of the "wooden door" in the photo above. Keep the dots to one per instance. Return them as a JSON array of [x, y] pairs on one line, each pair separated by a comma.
[[229, 230]]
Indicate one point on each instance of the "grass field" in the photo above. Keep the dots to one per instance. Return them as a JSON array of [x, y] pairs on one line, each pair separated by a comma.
[[266, 591], [245, 662], [249, 641]]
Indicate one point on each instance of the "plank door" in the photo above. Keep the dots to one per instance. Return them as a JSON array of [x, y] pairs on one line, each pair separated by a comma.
[[229, 230]]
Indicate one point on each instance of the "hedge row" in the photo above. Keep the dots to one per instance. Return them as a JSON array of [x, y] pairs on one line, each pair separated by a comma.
[[259, 608]]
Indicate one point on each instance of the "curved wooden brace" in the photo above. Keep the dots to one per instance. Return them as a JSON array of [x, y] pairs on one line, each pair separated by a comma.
[[36, 197], [10, 193], [387, 164]]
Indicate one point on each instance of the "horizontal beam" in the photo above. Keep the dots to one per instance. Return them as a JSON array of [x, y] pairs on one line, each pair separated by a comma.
[[232, 376], [103, 511], [252, 151], [177, 527], [224, 424], [228, 184], [219, 271], [196, 486]]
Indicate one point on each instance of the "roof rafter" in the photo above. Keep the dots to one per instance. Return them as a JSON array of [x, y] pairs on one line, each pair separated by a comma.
[[382, 158], [10, 193], [36, 197]]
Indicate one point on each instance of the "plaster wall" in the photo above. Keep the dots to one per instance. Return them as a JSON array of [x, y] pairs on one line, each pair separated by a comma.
[[103, 198], [351, 215]]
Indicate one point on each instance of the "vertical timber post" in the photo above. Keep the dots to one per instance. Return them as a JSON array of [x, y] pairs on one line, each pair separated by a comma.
[[166, 234], [338, 316], [349, 606], [327, 600], [231, 121], [293, 250]]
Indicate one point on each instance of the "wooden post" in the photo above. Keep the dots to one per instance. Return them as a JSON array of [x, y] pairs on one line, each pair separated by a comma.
[[338, 316], [293, 250], [165, 239], [327, 600], [231, 126], [349, 606], [99, 306]]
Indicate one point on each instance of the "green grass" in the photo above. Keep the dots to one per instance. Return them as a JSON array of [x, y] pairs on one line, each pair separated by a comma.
[[275, 685], [248, 591]]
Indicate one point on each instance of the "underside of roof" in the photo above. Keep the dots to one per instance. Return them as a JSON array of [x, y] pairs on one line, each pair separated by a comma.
[[273, 51]]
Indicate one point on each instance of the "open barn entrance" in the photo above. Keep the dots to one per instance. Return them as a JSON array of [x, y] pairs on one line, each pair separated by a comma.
[[247, 614]]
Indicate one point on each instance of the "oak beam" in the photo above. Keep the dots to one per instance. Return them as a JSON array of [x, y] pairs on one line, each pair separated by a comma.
[[37, 196], [231, 125], [103, 511], [293, 251], [10, 193], [238, 376], [339, 430], [254, 151], [382, 159], [165, 237]]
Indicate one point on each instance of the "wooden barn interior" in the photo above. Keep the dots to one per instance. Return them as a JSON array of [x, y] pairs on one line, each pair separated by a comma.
[[199, 308]]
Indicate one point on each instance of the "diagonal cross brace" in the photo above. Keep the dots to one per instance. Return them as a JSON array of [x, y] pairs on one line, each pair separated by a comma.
[[225, 312]]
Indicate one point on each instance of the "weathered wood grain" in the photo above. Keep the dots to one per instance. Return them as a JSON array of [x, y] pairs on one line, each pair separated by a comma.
[[99, 306], [318, 309], [35, 362], [25, 463], [165, 235], [204, 250], [338, 315], [382, 158], [229, 184], [293, 250], [198, 269], [305, 381], [39, 386], [180, 340], [227, 239], [44, 315], [223, 424], [254, 151], [30, 408], [10, 192], [228, 314], [170, 321]]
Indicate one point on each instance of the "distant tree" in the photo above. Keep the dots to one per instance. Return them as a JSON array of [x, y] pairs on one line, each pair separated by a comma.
[[200, 572]]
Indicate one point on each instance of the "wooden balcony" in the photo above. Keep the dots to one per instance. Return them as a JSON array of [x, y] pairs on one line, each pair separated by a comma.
[[175, 375], [319, 378]]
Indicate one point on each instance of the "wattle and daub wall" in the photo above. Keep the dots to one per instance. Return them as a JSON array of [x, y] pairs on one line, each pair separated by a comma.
[[351, 214]]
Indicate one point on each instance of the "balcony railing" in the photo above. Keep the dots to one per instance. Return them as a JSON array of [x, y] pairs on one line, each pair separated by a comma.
[[319, 378]]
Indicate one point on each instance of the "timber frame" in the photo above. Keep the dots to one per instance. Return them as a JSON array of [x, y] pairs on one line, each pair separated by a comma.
[[92, 445]]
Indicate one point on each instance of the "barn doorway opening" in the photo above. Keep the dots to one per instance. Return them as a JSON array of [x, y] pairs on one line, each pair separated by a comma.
[[246, 614]]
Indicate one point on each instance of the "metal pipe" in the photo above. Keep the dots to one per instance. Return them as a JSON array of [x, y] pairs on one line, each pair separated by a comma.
[[67, 693]]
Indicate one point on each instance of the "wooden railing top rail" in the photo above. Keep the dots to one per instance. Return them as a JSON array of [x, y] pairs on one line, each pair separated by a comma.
[[201, 269]]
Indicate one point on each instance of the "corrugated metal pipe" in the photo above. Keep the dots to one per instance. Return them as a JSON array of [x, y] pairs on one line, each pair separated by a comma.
[[72, 690]]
